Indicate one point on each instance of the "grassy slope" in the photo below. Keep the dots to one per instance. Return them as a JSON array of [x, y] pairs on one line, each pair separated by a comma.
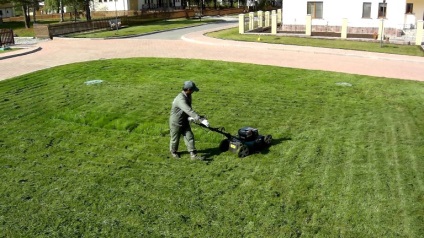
[[92, 160]]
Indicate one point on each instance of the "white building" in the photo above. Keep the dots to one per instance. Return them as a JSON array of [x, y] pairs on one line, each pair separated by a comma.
[[110, 5], [6, 10], [133, 5], [365, 15]]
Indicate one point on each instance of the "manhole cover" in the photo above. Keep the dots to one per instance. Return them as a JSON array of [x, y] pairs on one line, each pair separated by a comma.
[[344, 84], [96, 81]]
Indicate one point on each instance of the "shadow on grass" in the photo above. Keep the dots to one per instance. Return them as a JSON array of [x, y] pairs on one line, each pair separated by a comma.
[[210, 153], [275, 141]]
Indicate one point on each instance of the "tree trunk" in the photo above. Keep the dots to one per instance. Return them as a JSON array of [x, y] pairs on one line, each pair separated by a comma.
[[33, 15], [87, 10], [75, 13], [61, 11], [27, 18]]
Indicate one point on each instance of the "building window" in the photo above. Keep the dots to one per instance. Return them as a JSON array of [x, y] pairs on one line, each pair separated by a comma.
[[315, 9], [409, 8], [382, 9], [366, 10], [100, 0]]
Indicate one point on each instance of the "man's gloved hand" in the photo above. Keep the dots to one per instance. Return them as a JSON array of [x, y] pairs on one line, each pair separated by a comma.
[[204, 122]]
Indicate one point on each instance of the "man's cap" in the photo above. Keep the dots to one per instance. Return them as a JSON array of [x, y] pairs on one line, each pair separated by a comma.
[[190, 85]]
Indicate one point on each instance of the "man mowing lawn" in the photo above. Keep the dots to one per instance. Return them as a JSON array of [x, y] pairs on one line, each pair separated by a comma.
[[179, 121]]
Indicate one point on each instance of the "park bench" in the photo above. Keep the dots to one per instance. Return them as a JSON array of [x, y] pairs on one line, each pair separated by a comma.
[[197, 15], [115, 24]]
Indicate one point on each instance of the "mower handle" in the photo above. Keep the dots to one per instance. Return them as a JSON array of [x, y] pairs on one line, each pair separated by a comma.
[[220, 130]]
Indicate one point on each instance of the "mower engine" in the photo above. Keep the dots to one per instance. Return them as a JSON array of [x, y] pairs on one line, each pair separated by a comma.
[[246, 142]]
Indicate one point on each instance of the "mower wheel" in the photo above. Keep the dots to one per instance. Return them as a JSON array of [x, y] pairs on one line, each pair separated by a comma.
[[243, 151], [268, 140], [224, 145]]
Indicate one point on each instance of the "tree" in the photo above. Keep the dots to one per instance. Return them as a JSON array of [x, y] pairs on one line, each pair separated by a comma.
[[79, 5], [25, 5], [52, 6], [73, 5], [87, 9], [35, 8]]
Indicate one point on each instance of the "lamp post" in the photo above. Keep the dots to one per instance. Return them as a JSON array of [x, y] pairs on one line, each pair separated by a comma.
[[382, 22], [282, 15], [61, 11], [116, 17]]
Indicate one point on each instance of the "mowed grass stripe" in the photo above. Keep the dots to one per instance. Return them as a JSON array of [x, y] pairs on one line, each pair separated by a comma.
[[378, 175], [347, 206], [411, 181], [331, 173], [415, 164], [46, 93], [356, 181], [400, 196]]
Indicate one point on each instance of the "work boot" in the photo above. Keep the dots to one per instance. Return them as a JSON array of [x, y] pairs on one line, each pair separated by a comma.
[[195, 156], [175, 155]]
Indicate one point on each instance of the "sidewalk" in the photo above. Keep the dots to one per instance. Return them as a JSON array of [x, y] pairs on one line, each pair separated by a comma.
[[195, 45]]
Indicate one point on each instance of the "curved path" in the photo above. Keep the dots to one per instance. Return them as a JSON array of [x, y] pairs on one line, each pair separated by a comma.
[[195, 45]]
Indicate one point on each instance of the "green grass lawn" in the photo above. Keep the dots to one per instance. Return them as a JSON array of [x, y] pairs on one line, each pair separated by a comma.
[[232, 34], [92, 160]]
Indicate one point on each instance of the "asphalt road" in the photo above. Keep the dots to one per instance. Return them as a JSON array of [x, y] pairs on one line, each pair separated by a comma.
[[178, 33]]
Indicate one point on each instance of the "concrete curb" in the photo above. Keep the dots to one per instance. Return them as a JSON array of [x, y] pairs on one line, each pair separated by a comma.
[[18, 53]]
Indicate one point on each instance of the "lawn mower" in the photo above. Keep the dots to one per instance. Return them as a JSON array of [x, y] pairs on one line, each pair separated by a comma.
[[246, 142]]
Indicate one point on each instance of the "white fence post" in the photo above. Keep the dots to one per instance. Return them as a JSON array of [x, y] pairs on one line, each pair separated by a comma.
[[251, 20], [267, 19], [419, 35], [274, 24], [344, 28], [260, 17], [241, 24], [279, 16], [308, 26]]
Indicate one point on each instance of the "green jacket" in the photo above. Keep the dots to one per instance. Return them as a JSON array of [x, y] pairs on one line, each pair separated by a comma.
[[181, 110]]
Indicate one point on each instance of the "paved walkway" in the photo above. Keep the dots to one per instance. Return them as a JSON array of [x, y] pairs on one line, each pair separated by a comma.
[[195, 45]]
